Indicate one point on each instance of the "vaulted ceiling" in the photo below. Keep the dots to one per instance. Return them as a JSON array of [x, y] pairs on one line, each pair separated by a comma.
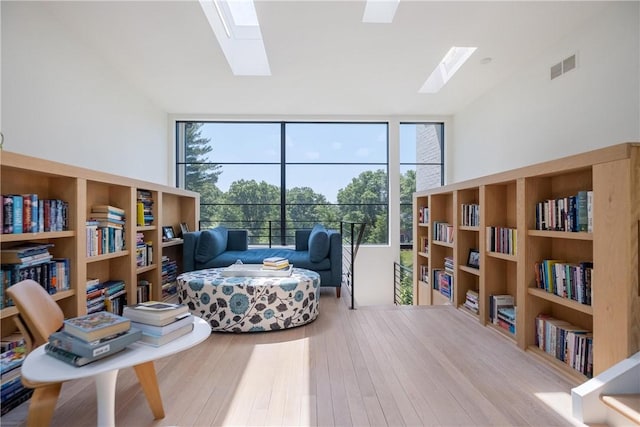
[[323, 58]]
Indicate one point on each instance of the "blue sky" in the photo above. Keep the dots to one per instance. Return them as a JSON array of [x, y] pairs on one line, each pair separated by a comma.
[[306, 143]]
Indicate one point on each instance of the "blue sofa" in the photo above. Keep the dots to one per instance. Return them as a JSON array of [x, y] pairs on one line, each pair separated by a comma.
[[316, 249]]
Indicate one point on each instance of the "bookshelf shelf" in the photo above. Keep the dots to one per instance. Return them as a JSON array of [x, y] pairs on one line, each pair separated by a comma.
[[597, 191], [108, 256], [574, 305], [440, 243], [174, 242], [423, 254], [81, 189], [561, 234], [572, 374], [465, 310], [470, 270], [505, 257], [422, 224], [23, 237], [145, 269]]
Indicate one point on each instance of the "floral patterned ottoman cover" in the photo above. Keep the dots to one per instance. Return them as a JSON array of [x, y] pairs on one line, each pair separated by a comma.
[[251, 304]]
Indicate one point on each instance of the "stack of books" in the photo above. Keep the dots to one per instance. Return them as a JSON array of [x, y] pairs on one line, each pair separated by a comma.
[[275, 263], [95, 336], [160, 322], [13, 393], [471, 301]]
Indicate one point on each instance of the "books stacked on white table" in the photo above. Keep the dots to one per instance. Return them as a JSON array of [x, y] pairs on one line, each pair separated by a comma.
[[160, 322], [85, 339]]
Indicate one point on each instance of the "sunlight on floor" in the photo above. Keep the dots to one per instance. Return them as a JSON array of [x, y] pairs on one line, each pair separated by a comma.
[[274, 386], [560, 402]]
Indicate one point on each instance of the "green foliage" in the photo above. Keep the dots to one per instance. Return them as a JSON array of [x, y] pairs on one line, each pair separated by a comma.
[[365, 199]]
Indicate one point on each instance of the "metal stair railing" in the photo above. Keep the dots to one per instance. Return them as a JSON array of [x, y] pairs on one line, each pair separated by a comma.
[[352, 234]]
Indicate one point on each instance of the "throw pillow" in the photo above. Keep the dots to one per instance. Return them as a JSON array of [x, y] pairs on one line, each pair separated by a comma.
[[211, 244], [318, 243]]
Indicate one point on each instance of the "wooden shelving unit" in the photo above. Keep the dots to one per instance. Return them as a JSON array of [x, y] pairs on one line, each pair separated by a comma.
[[83, 188], [509, 200]]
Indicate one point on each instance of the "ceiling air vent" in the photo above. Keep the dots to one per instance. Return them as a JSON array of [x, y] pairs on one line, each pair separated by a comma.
[[563, 66]]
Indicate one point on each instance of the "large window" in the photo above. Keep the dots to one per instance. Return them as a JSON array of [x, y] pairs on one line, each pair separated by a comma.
[[272, 178]]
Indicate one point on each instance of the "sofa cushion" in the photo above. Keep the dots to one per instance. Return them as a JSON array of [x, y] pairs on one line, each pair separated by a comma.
[[211, 244], [318, 243]]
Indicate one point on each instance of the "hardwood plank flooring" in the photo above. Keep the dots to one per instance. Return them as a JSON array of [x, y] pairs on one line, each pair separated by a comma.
[[384, 365]]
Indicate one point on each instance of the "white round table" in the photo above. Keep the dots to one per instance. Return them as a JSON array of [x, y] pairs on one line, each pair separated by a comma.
[[40, 367]]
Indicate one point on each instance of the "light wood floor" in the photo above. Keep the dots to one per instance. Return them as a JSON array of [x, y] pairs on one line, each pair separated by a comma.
[[371, 366]]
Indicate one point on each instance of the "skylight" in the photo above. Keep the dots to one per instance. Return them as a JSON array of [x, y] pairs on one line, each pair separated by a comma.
[[449, 65], [380, 11], [235, 25]]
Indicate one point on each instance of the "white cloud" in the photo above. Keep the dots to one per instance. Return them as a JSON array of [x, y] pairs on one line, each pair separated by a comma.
[[362, 152]]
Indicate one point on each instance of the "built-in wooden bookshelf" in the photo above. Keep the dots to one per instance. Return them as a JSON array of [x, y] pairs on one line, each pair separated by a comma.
[[508, 201], [82, 189]]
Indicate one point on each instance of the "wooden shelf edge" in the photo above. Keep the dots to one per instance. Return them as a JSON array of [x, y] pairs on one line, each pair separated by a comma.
[[423, 254], [541, 293], [10, 311], [144, 269], [468, 228], [470, 270], [103, 257], [505, 257], [559, 366], [174, 242], [465, 310], [502, 331], [146, 227], [423, 224], [445, 244], [21, 237], [578, 235]]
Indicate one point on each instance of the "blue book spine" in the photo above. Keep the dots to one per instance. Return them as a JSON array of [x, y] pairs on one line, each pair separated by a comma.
[[17, 213]]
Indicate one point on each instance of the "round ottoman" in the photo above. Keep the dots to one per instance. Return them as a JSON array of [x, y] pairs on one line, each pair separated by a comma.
[[251, 304]]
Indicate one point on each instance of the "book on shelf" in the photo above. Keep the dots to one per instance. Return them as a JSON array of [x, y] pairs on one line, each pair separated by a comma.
[[155, 313], [496, 302], [25, 252], [97, 325], [12, 358], [92, 349], [107, 209], [163, 330], [158, 340]]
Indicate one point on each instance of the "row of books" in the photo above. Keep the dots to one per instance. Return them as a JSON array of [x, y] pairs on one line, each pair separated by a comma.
[[144, 251], [443, 283], [442, 232], [27, 213], [566, 342], [448, 264], [104, 240], [144, 208], [470, 215], [12, 354], [423, 215], [572, 213], [143, 290], [471, 301], [502, 311], [567, 280], [169, 277], [109, 295], [502, 240], [424, 245], [424, 273]]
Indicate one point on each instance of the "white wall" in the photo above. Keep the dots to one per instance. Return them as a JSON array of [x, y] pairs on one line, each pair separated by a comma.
[[529, 118], [63, 102]]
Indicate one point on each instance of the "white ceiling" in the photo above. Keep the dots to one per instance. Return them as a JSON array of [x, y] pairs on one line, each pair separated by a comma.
[[324, 60]]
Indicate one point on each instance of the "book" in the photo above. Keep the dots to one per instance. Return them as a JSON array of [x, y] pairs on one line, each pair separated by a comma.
[[107, 209], [158, 340], [11, 359], [71, 358], [97, 325], [155, 313], [163, 330], [93, 349]]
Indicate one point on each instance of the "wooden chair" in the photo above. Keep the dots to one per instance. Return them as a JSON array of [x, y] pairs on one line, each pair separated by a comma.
[[38, 317]]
